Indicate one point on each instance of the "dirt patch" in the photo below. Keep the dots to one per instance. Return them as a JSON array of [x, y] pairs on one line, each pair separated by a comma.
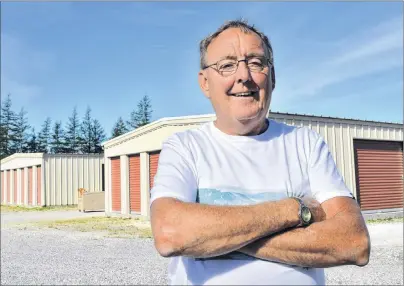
[[107, 226], [385, 220]]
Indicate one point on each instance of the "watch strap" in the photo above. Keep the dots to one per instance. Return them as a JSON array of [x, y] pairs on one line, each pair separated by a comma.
[[301, 205]]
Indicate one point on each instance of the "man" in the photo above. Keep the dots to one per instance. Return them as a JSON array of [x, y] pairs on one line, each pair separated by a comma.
[[247, 200]]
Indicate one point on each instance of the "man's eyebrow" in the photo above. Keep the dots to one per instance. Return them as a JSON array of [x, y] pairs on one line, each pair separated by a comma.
[[249, 55], [228, 57], [255, 54]]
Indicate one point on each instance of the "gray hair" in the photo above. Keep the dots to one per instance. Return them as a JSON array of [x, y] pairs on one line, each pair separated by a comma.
[[245, 28]]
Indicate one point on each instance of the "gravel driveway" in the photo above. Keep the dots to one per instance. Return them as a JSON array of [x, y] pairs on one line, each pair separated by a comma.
[[54, 257], [20, 217]]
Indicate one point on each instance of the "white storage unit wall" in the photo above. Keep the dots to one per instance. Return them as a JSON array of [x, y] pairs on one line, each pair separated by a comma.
[[340, 134], [146, 141], [38, 179]]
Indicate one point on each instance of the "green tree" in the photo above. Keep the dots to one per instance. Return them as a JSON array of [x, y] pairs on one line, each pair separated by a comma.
[[142, 115], [98, 136], [86, 132], [8, 127], [3, 141], [44, 136], [21, 127], [72, 134], [57, 144], [33, 144], [119, 128]]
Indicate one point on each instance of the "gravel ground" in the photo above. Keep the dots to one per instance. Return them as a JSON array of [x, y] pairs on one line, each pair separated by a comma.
[[54, 257], [59, 257], [20, 217]]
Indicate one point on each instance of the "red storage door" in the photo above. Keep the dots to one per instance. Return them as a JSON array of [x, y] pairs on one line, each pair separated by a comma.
[[9, 186], [15, 187], [379, 171], [22, 186], [116, 184], [38, 184], [30, 185], [153, 164], [134, 183], [3, 189]]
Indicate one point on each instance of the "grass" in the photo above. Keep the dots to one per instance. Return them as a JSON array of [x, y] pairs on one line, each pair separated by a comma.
[[7, 208], [385, 220], [109, 226]]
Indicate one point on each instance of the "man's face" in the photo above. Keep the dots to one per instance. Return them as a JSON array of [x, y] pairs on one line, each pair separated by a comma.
[[224, 91]]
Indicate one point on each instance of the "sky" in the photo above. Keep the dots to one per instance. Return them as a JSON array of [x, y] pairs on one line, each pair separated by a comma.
[[331, 59]]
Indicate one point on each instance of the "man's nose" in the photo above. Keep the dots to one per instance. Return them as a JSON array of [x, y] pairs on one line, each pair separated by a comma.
[[243, 73]]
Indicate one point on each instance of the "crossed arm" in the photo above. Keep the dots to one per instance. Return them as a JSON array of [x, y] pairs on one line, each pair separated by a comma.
[[339, 240], [265, 231]]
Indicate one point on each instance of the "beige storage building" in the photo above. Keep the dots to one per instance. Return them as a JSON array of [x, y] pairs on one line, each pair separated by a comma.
[[39, 179], [368, 154]]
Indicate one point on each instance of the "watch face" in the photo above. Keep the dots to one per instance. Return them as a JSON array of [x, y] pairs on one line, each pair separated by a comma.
[[306, 215]]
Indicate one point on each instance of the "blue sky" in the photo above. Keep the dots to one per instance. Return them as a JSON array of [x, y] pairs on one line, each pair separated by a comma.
[[331, 59]]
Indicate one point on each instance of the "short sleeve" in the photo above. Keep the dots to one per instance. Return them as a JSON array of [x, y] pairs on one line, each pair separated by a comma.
[[175, 176], [326, 181]]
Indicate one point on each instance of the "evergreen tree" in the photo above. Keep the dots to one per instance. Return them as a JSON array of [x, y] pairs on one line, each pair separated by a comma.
[[72, 134], [20, 141], [98, 137], [8, 127], [142, 115], [33, 144], [86, 132], [119, 128], [3, 141], [44, 136], [57, 144]]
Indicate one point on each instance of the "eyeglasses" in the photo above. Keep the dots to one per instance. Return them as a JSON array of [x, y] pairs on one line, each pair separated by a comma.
[[227, 67]]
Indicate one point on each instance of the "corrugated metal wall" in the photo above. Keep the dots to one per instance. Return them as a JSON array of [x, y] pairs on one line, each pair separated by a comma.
[[38, 185], [153, 165], [380, 174], [65, 174], [8, 187], [116, 183], [15, 187], [3, 199], [134, 183], [339, 135], [22, 186], [30, 177]]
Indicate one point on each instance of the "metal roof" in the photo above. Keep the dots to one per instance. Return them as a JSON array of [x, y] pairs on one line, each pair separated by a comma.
[[331, 117], [207, 117]]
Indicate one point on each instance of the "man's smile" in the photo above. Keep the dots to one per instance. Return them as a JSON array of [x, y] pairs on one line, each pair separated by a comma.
[[244, 94]]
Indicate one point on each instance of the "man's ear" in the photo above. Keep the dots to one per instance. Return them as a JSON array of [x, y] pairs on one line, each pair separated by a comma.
[[203, 83]]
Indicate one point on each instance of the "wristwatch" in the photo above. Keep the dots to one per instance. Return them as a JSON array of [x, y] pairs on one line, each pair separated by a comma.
[[304, 213]]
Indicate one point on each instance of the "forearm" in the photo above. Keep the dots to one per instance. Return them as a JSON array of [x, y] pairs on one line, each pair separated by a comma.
[[197, 230], [337, 241]]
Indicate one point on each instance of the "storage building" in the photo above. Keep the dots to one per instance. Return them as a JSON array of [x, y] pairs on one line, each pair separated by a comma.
[[368, 154], [39, 179]]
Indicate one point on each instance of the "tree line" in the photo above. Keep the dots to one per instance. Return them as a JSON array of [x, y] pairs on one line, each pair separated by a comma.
[[75, 137], [137, 118]]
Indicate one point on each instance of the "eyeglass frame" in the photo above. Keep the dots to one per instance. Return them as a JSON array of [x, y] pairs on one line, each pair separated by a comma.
[[268, 62]]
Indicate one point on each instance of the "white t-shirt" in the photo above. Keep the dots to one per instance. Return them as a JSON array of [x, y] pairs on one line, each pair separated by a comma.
[[208, 166]]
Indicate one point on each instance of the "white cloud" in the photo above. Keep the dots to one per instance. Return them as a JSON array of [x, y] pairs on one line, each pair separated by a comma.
[[375, 50], [22, 68], [18, 89], [383, 38]]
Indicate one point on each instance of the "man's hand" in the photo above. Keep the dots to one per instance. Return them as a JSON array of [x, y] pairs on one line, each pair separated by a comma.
[[341, 239]]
